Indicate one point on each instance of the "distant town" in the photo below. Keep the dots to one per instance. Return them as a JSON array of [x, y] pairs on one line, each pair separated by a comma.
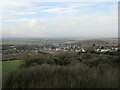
[[76, 48], [83, 46]]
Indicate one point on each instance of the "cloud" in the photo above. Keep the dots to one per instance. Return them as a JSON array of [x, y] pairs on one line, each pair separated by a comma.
[[17, 20], [66, 0], [63, 26], [64, 11], [22, 13], [63, 23], [53, 10], [9, 4]]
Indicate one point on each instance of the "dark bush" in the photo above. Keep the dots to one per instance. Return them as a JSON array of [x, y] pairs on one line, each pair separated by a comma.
[[62, 60], [65, 58], [38, 59]]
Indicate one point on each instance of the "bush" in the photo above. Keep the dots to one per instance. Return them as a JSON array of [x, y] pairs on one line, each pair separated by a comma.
[[65, 58], [38, 59]]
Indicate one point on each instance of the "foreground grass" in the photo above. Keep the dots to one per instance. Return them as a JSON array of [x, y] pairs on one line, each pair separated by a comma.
[[0, 74], [63, 70], [9, 66], [55, 76], [0, 67]]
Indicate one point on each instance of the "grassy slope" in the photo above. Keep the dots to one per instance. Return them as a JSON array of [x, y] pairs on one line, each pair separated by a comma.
[[8, 66]]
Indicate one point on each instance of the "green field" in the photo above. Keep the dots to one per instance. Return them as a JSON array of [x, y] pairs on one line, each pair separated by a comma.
[[25, 42], [9, 66]]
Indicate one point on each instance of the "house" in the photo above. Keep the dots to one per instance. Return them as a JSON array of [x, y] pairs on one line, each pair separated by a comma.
[[77, 50], [12, 46], [116, 49], [57, 49], [97, 50], [104, 50], [83, 50]]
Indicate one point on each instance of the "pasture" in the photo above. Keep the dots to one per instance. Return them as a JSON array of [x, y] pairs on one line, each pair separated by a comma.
[[25, 42], [9, 66]]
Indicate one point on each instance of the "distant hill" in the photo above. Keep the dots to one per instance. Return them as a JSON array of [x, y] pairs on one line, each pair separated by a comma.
[[110, 40], [92, 42]]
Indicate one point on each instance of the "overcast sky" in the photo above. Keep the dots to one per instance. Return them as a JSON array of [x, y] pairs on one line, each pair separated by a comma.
[[59, 19]]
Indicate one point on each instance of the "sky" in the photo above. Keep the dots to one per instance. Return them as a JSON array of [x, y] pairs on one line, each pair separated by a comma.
[[59, 19]]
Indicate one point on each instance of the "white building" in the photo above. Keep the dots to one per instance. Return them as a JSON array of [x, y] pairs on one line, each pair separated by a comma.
[[116, 49], [104, 50], [83, 50], [57, 49]]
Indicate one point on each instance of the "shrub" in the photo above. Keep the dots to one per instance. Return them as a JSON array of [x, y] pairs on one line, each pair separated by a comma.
[[38, 59], [65, 58]]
